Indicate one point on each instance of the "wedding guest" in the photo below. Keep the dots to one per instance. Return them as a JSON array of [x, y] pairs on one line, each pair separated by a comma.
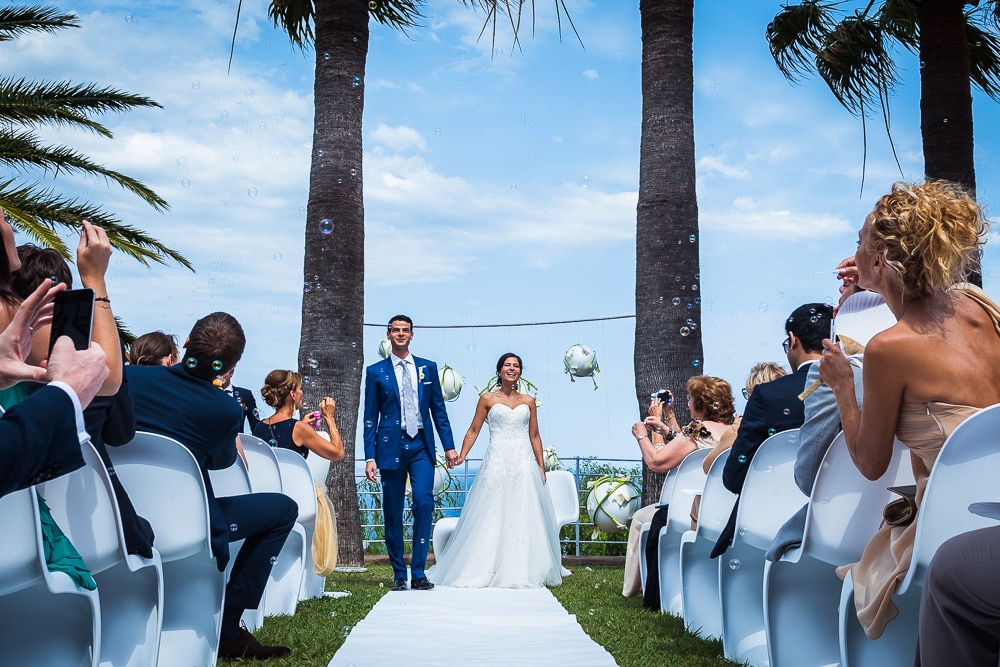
[[243, 396], [282, 391], [38, 264], [664, 444], [183, 403], [154, 349], [924, 375]]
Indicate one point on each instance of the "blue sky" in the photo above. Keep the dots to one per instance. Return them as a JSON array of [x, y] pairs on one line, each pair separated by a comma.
[[510, 177]]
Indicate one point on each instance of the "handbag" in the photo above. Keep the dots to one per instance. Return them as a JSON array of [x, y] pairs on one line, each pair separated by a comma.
[[903, 510]]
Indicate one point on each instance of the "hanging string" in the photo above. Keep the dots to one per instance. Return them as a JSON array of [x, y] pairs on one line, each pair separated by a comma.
[[381, 325]]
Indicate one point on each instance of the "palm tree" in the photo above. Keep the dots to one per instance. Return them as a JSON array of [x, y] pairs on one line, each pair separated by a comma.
[[26, 105], [668, 348], [956, 46], [330, 345]]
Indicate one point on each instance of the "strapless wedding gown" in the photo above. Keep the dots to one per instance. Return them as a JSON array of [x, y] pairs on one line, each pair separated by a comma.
[[506, 536]]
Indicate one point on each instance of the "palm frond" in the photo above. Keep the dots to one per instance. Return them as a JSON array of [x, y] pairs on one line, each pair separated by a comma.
[[900, 21], [399, 14], [855, 64], [511, 11], [39, 212], [62, 103], [297, 18], [984, 60], [797, 33], [17, 21], [24, 150]]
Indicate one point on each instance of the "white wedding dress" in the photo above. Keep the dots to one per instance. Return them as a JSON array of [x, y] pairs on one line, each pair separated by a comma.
[[506, 536]]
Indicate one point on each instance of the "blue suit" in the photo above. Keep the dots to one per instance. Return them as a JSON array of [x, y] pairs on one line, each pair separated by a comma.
[[397, 455]]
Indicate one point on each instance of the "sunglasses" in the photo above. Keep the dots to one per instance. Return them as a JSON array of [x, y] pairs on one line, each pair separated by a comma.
[[786, 343]]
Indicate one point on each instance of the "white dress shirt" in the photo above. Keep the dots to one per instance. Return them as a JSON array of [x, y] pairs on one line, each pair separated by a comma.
[[411, 366]]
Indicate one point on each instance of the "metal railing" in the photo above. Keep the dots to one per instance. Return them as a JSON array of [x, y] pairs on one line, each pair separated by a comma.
[[452, 499]]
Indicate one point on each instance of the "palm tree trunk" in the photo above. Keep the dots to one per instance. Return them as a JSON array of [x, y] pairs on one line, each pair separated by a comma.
[[668, 346], [330, 347]]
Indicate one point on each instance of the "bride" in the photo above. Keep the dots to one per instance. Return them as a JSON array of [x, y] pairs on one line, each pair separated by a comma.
[[506, 536]]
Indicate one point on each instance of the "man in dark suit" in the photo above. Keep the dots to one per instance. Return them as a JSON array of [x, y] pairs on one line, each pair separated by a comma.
[[182, 402], [402, 396], [40, 437], [775, 406], [245, 398]]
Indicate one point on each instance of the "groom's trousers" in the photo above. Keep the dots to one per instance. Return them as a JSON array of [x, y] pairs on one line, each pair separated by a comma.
[[415, 461]]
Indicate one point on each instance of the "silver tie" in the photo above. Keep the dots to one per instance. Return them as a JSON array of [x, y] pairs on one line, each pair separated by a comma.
[[409, 400]]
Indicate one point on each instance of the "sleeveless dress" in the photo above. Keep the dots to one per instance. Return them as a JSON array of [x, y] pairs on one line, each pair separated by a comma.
[[279, 434], [506, 536], [923, 428]]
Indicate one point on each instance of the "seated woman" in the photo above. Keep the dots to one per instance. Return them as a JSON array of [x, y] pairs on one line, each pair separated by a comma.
[[154, 349], [924, 375], [282, 390], [664, 444]]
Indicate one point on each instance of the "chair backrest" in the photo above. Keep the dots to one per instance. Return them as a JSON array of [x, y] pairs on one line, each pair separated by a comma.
[[231, 481], [20, 558], [319, 466], [769, 496], [689, 481], [85, 509], [262, 464], [165, 484], [297, 482], [966, 471], [845, 509], [561, 485], [716, 502], [667, 488]]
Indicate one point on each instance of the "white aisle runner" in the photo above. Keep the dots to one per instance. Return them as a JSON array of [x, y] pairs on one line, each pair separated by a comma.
[[470, 626]]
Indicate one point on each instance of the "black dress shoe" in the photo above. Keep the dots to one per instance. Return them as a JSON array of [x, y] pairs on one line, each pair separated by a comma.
[[399, 585], [245, 645], [421, 584]]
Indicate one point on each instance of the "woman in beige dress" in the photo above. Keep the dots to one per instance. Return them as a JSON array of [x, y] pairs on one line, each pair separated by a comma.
[[923, 376]]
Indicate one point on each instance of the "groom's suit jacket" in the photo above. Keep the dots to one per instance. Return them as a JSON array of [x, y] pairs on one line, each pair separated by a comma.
[[383, 433]]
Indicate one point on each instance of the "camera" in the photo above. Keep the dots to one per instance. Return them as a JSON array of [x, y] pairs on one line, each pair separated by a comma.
[[663, 395]]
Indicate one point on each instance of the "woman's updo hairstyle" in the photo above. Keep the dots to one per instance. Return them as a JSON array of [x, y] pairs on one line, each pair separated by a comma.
[[278, 385], [713, 397], [930, 234]]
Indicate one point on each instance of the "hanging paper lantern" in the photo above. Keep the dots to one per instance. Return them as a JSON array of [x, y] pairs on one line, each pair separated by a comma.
[[581, 362], [552, 461], [384, 348], [611, 503], [451, 382]]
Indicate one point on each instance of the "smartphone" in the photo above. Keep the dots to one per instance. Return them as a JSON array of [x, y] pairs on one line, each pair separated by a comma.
[[73, 316], [833, 330]]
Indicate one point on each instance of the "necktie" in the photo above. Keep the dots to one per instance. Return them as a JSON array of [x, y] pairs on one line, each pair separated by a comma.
[[409, 400]]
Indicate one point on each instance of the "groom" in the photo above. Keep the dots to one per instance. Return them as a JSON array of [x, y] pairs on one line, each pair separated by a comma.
[[402, 395]]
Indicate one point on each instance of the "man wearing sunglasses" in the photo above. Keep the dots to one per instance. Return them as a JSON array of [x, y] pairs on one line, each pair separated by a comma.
[[775, 406]]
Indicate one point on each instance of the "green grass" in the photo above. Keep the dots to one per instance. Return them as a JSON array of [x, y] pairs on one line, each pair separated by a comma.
[[634, 636]]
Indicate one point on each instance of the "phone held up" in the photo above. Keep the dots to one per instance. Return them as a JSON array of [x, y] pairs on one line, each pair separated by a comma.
[[73, 316]]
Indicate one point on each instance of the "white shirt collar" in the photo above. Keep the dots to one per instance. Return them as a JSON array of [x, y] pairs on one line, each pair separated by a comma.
[[396, 360]]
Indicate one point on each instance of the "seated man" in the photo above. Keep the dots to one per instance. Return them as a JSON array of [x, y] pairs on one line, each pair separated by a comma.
[[775, 406], [182, 402], [40, 437]]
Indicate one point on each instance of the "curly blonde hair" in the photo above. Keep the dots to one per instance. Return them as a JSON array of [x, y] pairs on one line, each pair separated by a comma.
[[929, 234], [762, 372], [713, 397], [278, 385]]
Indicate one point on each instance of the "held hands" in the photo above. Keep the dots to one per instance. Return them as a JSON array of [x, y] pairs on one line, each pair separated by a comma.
[[452, 458]]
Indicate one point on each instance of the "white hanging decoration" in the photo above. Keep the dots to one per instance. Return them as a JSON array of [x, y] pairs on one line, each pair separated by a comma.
[[611, 503], [552, 461], [384, 348], [581, 362], [451, 382]]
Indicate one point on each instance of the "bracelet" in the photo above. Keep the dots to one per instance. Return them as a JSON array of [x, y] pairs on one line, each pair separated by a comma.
[[642, 436], [102, 298]]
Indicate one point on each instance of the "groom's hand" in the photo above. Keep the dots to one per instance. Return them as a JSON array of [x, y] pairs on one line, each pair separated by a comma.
[[451, 457], [370, 470]]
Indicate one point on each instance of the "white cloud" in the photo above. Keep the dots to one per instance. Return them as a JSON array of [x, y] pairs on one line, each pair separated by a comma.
[[716, 164], [398, 138], [591, 74], [748, 217]]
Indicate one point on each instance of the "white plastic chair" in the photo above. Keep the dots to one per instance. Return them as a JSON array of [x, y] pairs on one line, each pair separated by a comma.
[[130, 587], [665, 491], [689, 482], [47, 619], [700, 603], [768, 499], [802, 590], [965, 471], [165, 484], [281, 595], [318, 466], [234, 481], [297, 482], [561, 485]]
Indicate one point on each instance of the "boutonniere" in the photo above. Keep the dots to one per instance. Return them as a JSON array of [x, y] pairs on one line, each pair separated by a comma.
[[420, 373]]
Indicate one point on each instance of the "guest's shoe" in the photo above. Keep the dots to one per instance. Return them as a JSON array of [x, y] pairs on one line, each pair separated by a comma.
[[399, 585], [421, 584], [244, 645]]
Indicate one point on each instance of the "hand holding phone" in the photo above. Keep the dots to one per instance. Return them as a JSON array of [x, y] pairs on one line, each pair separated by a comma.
[[73, 316]]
